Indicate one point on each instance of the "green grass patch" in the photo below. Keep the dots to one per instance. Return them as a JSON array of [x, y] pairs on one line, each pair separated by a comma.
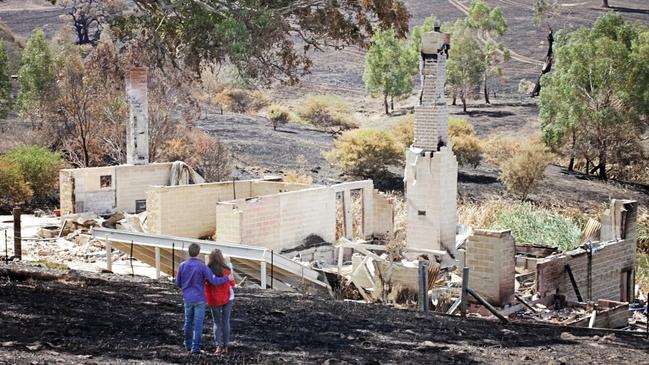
[[538, 226], [642, 271], [51, 265]]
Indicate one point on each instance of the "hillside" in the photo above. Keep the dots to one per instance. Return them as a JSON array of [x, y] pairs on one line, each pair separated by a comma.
[[258, 150]]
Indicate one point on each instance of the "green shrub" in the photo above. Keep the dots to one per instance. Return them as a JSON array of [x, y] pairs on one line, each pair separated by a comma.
[[642, 271], [365, 152], [521, 172], [643, 232], [327, 111], [39, 166], [538, 226], [403, 130], [14, 189]]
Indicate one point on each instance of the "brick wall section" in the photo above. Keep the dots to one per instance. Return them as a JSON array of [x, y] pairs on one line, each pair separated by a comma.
[[280, 221], [608, 262], [190, 210], [128, 184], [132, 182], [490, 257], [383, 215], [89, 196], [431, 188], [66, 192], [228, 217], [137, 134], [431, 116]]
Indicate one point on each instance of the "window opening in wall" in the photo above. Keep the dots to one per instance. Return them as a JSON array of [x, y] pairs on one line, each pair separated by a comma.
[[626, 285], [357, 214], [340, 216], [140, 206], [105, 181]]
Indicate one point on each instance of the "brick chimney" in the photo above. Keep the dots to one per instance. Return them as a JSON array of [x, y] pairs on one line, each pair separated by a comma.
[[430, 175], [137, 134]]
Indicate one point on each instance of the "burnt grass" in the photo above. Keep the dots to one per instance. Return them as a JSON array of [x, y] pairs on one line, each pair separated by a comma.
[[104, 318]]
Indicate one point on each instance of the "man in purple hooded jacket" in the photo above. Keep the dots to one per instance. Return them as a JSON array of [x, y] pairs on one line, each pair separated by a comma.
[[191, 277]]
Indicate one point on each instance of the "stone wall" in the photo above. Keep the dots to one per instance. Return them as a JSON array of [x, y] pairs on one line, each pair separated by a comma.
[[490, 257]]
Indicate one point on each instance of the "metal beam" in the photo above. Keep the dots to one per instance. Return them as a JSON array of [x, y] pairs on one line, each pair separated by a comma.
[[233, 250]]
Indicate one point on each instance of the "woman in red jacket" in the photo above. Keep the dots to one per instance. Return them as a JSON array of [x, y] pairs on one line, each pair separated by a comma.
[[220, 300]]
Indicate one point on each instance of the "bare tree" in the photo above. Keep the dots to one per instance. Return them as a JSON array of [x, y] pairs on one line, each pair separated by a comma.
[[89, 17]]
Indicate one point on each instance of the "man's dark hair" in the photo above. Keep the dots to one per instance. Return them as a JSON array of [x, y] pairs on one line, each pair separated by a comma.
[[194, 249]]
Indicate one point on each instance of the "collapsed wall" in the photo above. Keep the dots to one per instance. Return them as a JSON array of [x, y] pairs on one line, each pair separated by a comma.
[[600, 270]]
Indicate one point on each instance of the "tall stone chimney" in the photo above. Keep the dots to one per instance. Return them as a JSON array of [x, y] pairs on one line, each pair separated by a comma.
[[137, 134], [431, 167]]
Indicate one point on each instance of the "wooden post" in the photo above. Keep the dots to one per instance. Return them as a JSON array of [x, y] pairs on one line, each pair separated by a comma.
[[422, 301], [157, 262], [18, 252], [272, 268], [109, 255], [465, 285], [341, 253], [6, 248], [487, 305]]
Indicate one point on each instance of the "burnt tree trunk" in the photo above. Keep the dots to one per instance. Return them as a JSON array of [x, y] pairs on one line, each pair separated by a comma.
[[486, 90], [605, 4], [385, 104], [392, 103], [547, 66], [463, 99], [602, 165], [571, 164]]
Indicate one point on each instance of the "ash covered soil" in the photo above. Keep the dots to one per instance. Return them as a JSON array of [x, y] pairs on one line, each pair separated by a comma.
[[50, 316]]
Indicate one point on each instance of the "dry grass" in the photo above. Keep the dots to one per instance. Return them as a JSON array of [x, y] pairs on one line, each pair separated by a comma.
[[296, 177], [481, 214]]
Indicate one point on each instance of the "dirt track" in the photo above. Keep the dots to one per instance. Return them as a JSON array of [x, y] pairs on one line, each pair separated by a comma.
[[109, 319]]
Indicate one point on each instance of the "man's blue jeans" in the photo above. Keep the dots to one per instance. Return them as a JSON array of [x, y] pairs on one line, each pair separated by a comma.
[[194, 316], [221, 317]]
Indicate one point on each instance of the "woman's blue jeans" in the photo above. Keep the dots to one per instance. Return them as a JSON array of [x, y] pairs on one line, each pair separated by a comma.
[[221, 317]]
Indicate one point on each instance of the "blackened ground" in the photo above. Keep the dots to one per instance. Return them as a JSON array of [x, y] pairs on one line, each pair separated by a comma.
[[100, 319]]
